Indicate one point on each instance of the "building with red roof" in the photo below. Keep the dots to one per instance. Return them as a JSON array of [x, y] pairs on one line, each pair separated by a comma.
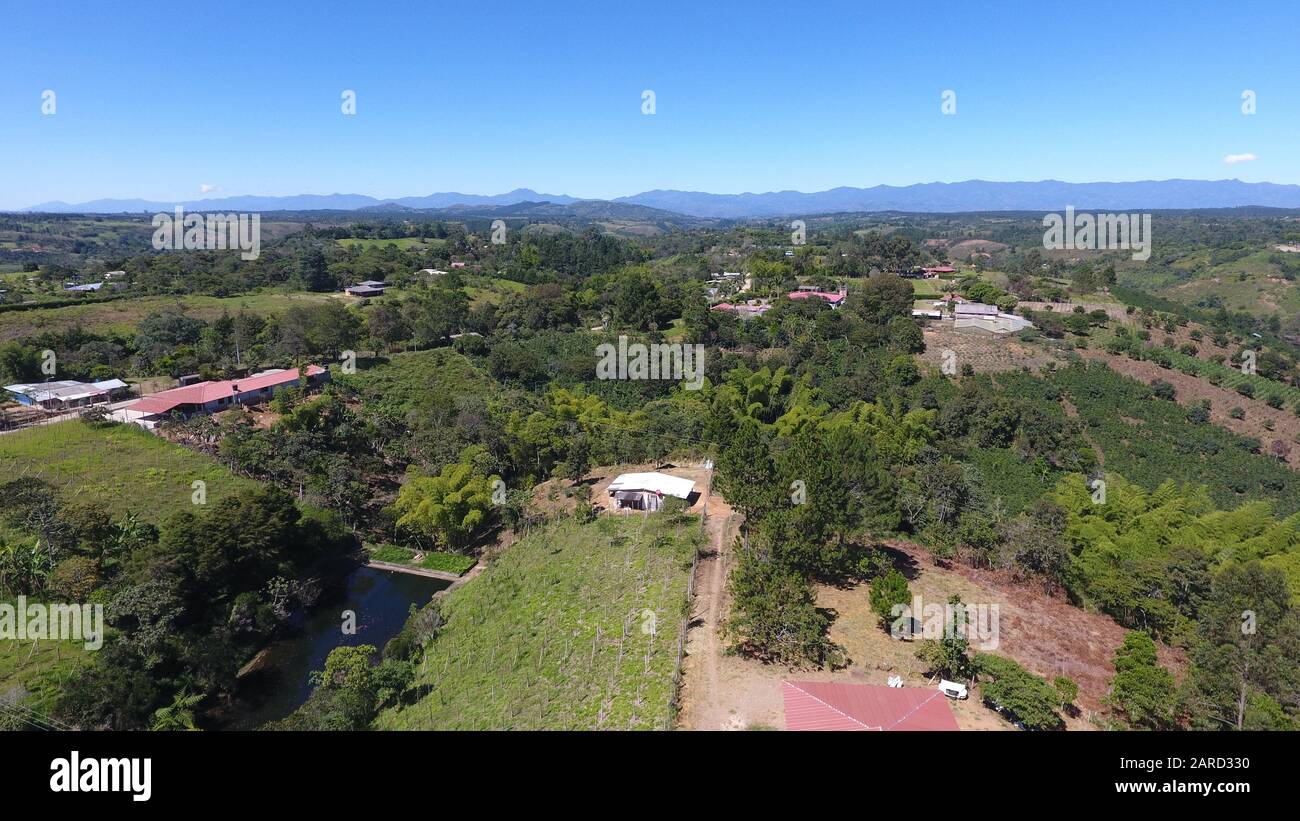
[[208, 397], [821, 705], [833, 299], [744, 310]]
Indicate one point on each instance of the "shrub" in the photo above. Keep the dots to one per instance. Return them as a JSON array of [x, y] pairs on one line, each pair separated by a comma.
[[1142, 692], [392, 553], [887, 592], [1023, 695], [75, 578]]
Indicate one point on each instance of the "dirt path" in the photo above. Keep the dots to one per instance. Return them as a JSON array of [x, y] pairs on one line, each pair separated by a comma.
[[701, 669], [1046, 634]]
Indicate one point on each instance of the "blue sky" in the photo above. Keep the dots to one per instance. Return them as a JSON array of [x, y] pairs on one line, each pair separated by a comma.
[[483, 98]]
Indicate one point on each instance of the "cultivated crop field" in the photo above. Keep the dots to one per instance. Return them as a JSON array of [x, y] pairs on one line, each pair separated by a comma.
[[573, 628], [1148, 440]]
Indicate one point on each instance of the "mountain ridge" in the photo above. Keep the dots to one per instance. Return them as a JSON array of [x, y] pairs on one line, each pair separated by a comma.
[[930, 197]]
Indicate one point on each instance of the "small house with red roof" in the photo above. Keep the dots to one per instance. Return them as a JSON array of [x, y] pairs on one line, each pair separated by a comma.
[[834, 299], [744, 310], [823, 705]]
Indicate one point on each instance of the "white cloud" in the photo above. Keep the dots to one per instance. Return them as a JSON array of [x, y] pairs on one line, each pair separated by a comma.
[[1233, 159], [208, 189]]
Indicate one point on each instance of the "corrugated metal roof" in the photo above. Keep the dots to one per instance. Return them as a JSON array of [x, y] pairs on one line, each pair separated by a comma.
[[653, 482], [65, 390], [819, 705]]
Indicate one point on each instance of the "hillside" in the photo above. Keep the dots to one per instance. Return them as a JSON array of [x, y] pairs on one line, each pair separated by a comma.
[[572, 628], [123, 467]]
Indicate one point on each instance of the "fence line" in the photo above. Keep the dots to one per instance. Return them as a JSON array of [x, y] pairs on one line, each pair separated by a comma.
[[674, 700]]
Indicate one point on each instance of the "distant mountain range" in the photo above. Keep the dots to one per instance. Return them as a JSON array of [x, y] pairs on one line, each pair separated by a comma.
[[979, 195], [933, 197], [299, 202]]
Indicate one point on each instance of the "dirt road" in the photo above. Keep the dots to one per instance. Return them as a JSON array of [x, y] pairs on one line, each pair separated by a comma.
[[701, 678]]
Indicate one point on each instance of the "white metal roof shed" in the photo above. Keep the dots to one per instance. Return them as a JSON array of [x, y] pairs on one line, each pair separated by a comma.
[[653, 482]]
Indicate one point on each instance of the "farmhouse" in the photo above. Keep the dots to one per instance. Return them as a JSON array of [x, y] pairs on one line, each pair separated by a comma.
[[207, 397], [81, 289], [821, 705], [646, 491], [744, 310], [835, 300], [65, 394]]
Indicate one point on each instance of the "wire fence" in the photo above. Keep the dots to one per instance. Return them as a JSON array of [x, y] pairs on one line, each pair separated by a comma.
[[674, 699]]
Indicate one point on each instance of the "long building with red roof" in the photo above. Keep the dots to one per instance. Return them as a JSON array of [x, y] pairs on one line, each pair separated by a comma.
[[209, 397]]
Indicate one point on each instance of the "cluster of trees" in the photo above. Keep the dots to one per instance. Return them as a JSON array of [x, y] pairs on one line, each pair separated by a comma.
[[188, 601], [173, 342], [815, 471], [319, 448]]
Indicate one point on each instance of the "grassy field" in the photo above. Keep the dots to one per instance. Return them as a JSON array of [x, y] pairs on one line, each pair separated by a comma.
[[928, 289], [412, 381], [125, 314], [123, 467], [505, 286], [32, 674], [1249, 280], [484, 289], [573, 628], [433, 560]]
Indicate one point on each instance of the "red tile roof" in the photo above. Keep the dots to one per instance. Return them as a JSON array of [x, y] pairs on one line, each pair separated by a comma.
[[833, 299], [819, 705], [202, 393]]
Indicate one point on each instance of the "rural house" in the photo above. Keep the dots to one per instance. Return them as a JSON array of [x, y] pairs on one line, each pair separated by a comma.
[[835, 300], [646, 491], [371, 287], [208, 397], [823, 705]]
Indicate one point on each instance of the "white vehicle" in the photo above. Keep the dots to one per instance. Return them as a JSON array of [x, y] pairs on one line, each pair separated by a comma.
[[952, 689]]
